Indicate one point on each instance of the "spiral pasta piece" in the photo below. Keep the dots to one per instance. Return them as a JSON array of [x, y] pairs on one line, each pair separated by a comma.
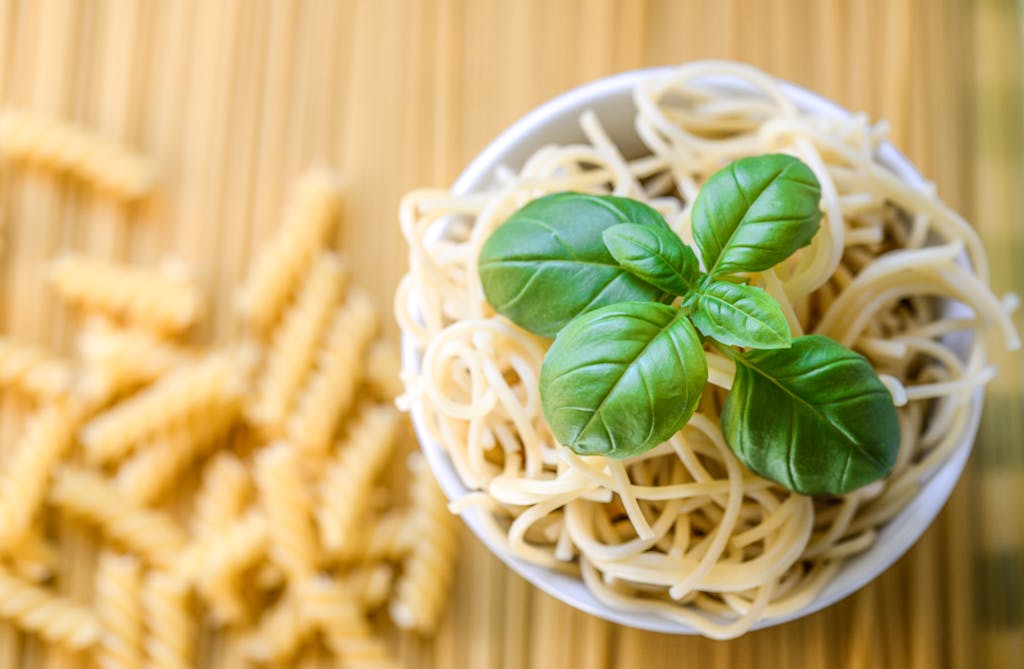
[[222, 496], [387, 537], [347, 481], [119, 610], [280, 631], [156, 300], [371, 583], [344, 627], [32, 371], [214, 563], [309, 220], [47, 437], [293, 348], [427, 571], [109, 165], [332, 385], [170, 630], [54, 618], [288, 503], [187, 392], [148, 532], [119, 359], [147, 474]]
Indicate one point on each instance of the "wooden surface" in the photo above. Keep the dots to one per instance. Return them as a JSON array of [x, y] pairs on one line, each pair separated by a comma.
[[234, 98]]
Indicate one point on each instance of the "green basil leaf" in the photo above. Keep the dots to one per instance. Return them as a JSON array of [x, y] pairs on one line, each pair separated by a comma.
[[548, 262], [740, 315], [814, 418], [754, 213], [622, 379], [656, 255]]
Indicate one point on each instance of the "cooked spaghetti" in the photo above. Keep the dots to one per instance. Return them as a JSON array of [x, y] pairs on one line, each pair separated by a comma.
[[684, 530]]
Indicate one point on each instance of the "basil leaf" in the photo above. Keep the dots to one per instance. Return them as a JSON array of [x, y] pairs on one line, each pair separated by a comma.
[[622, 379], [740, 315], [814, 418], [754, 213], [656, 255], [547, 262]]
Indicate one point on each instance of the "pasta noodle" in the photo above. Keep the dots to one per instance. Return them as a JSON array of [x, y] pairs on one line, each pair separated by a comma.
[[215, 562], [170, 632], [54, 618], [288, 503], [280, 632], [25, 477], [683, 531], [428, 568], [345, 629], [386, 538], [32, 370], [118, 360], [148, 532], [119, 610], [371, 585], [345, 487], [331, 387], [293, 348], [214, 379], [279, 267], [161, 301], [223, 495], [65, 147], [148, 473]]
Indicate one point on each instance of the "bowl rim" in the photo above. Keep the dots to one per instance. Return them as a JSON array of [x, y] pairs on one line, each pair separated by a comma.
[[917, 515]]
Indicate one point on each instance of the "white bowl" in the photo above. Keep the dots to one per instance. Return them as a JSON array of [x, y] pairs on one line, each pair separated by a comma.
[[557, 121]]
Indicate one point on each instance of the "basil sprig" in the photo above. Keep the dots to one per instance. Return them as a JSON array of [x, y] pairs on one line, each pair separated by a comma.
[[626, 370]]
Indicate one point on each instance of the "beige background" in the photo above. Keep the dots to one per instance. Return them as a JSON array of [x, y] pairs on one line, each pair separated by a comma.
[[236, 97]]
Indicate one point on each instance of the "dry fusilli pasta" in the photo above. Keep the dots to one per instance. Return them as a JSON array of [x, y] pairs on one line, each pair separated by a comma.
[[149, 532], [371, 583], [308, 222], [288, 503], [36, 609], [47, 436], [332, 385], [293, 348], [187, 392], [170, 630], [215, 562], [280, 631], [32, 370], [346, 484], [119, 609], [66, 147], [147, 474], [158, 300], [428, 568], [119, 359], [344, 627], [387, 537], [223, 495]]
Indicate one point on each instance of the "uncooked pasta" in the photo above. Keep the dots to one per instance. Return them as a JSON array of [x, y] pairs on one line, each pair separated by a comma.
[[119, 609], [684, 530]]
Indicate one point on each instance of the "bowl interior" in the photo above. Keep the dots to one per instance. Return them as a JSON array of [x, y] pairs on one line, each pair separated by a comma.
[[558, 122]]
